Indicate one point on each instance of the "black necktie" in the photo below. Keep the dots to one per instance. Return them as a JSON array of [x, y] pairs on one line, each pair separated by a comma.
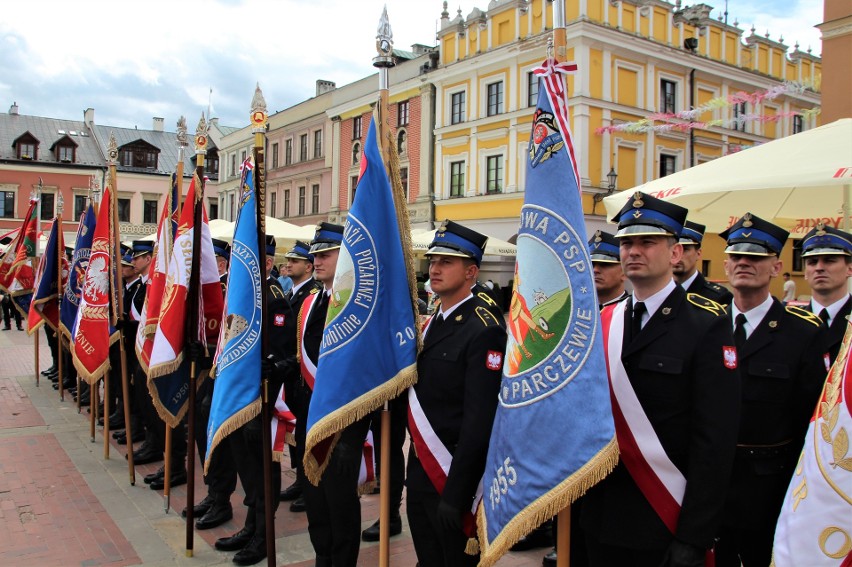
[[638, 310], [439, 320], [739, 331], [824, 316]]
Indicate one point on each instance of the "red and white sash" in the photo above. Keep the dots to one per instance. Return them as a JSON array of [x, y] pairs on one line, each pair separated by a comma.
[[435, 457], [660, 481], [283, 426], [308, 368]]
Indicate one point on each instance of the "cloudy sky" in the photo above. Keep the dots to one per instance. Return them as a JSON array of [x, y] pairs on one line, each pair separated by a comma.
[[133, 61]]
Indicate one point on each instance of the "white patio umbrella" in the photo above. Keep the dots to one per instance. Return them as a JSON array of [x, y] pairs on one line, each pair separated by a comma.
[[420, 240], [793, 182]]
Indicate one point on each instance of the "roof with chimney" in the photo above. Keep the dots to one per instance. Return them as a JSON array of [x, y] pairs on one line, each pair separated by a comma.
[[47, 133]]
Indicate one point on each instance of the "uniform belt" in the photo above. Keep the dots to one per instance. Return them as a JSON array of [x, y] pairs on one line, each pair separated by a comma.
[[763, 451]]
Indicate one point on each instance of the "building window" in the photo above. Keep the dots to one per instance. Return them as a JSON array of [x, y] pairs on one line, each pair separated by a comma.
[[457, 115], [667, 164], [356, 152], [356, 128], [149, 211], [353, 184], [65, 154], [457, 179], [668, 90], [143, 157], [231, 207], [233, 169], [301, 201], [214, 209], [739, 116], [286, 203], [26, 150], [314, 199], [123, 210], [403, 176], [402, 113], [47, 200], [495, 98], [402, 142], [288, 152], [532, 89], [273, 201], [317, 144], [80, 202], [243, 157], [494, 178], [303, 147], [274, 155], [7, 204], [211, 164], [798, 124]]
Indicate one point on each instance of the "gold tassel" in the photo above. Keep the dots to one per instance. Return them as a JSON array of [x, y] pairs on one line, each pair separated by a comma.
[[472, 546]]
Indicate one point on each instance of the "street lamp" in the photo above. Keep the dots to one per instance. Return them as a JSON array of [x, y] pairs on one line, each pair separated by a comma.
[[611, 178]]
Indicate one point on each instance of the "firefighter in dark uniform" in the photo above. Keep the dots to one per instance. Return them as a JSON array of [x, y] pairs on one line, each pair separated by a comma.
[[300, 270], [686, 271], [827, 253], [673, 354], [333, 506], [459, 369], [221, 480], [781, 359], [246, 444]]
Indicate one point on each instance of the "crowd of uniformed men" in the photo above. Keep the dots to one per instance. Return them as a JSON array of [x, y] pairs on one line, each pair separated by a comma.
[[728, 380]]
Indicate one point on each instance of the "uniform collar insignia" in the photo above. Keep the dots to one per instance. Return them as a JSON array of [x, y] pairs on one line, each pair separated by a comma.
[[773, 324]]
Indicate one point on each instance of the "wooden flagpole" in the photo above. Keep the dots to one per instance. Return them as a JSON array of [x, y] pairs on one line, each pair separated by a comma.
[[384, 61], [194, 297], [35, 251], [258, 119], [181, 141], [563, 519], [60, 254], [94, 189]]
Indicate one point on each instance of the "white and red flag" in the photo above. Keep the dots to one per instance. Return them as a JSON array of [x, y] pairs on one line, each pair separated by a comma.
[[167, 384], [815, 525], [92, 331]]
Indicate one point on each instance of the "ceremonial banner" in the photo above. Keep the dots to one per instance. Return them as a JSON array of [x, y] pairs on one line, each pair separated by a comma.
[[554, 387], [236, 397], [44, 307], [25, 238], [77, 271], [167, 383], [370, 314], [92, 333], [21, 275], [150, 316], [815, 525]]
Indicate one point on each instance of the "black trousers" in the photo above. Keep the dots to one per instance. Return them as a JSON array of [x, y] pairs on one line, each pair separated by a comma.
[[247, 452], [435, 546], [398, 422], [221, 478], [605, 555], [742, 546], [334, 507], [53, 344], [10, 311]]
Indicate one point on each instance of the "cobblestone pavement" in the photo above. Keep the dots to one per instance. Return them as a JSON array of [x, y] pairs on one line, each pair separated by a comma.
[[62, 503]]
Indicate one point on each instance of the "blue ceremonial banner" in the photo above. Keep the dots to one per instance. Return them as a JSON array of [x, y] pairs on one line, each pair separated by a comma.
[[44, 307], [554, 389], [236, 397], [77, 271], [370, 317]]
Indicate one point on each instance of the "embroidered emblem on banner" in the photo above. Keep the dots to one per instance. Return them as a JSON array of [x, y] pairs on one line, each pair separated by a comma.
[[729, 356]]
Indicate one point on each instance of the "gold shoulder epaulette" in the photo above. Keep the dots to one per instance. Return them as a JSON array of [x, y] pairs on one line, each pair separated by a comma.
[[486, 316], [705, 303], [486, 298], [804, 314]]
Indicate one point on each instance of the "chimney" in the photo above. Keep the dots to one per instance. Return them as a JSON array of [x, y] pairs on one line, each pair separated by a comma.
[[89, 116], [420, 49], [325, 86], [13, 110], [158, 124]]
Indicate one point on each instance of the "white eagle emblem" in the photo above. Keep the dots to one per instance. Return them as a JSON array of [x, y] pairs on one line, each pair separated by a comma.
[[97, 278], [729, 356], [494, 360]]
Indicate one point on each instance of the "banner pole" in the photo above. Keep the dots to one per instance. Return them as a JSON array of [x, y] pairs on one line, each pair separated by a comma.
[[35, 343], [383, 61], [60, 254]]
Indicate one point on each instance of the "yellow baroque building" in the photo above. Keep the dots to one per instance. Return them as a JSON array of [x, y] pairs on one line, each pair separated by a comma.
[[635, 58]]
